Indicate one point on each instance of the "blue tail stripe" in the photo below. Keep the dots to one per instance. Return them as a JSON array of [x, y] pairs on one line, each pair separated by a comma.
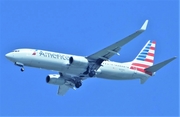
[[148, 47], [142, 56], [144, 53], [145, 50], [149, 44], [140, 59]]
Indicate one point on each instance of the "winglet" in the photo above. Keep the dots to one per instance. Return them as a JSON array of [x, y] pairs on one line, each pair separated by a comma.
[[144, 26]]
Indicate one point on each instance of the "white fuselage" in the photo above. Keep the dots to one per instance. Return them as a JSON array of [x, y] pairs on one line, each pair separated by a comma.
[[60, 62]]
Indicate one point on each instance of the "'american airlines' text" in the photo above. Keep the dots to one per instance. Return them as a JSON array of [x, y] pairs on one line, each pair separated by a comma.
[[54, 55]]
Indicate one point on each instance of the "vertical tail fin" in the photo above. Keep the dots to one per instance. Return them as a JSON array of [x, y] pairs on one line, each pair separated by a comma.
[[146, 56]]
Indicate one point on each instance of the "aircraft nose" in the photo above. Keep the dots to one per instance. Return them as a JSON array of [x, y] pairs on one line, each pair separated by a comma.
[[9, 56]]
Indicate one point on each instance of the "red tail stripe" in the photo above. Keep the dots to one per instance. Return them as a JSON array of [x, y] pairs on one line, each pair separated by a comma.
[[151, 54], [154, 42], [140, 65], [152, 48], [141, 70], [149, 60]]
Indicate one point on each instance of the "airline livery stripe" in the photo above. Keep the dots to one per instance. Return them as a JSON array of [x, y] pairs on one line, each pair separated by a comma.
[[154, 42], [150, 54], [152, 48], [144, 53], [153, 45], [149, 60], [141, 59], [140, 65], [141, 70], [145, 50], [150, 57], [149, 44], [142, 56], [148, 47], [151, 51], [143, 62]]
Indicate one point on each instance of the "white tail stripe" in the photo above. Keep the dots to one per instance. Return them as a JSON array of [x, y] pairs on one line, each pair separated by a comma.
[[153, 45], [142, 62], [150, 57], [151, 51], [139, 66]]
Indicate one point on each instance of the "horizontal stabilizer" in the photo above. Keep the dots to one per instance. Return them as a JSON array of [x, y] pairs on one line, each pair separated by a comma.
[[158, 66], [143, 80]]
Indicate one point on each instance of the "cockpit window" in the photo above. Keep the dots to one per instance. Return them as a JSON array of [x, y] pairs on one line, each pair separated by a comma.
[[16, 51]]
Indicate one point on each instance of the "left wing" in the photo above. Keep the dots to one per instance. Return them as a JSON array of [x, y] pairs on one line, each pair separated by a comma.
[[109, 51], [63, 89]]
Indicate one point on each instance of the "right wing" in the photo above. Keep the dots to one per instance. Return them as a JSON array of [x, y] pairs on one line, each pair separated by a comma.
[[105, 54], [109, 51]]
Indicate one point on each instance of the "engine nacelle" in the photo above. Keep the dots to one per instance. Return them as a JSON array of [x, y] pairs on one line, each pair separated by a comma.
[[55, 79], [78, 61]]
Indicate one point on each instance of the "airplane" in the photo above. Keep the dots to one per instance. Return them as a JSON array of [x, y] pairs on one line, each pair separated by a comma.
[[73, 69]]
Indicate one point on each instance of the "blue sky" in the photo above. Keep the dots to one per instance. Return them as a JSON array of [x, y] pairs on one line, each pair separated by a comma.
[[82, 28]]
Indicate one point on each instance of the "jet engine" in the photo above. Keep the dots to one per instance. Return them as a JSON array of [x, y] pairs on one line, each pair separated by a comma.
[[55, 79], [78, 61]]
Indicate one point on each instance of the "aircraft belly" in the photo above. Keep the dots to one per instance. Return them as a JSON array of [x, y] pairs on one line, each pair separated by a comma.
[[116, 74], [75, 70]]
